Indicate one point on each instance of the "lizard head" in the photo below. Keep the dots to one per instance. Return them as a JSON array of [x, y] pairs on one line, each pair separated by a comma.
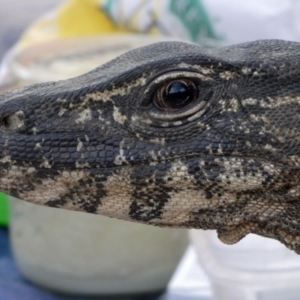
[[170, 134]]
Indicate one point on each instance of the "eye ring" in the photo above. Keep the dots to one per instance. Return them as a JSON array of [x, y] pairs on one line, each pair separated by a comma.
[[175, 94]]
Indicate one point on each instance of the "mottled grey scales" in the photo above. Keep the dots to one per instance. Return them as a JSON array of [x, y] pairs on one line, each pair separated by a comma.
[[170, 134]]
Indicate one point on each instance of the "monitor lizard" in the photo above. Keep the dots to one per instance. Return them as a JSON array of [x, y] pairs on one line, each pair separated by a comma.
[[171, 134]]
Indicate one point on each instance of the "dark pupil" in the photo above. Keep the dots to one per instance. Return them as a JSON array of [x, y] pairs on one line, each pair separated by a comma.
[[177, 93]]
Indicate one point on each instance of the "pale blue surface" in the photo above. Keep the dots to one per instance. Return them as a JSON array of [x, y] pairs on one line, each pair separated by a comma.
[[12, 285]]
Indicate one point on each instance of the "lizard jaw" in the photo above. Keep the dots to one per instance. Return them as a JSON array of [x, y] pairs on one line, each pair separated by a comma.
[[233, 234]]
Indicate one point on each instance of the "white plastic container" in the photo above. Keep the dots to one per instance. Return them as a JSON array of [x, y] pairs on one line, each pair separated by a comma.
[[77, 253], [256, 268]]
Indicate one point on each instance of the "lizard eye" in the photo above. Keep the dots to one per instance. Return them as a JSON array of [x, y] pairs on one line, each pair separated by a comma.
[[176, 94]]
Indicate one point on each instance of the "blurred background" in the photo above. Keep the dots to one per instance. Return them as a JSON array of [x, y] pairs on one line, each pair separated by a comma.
[[50, 254], [16, 15]]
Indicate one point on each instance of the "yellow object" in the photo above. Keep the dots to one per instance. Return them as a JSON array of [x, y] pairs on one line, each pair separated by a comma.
[[84, 17], [72, 19]]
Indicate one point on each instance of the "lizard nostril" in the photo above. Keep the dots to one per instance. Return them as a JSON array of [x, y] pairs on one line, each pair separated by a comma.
[[13, 121], [5, 122]]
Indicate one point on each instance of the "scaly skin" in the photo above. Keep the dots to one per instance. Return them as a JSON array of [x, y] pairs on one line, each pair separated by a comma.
[[228, 159]]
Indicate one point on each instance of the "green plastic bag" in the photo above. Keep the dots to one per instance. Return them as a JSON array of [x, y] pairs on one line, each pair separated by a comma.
[[4, 210]]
